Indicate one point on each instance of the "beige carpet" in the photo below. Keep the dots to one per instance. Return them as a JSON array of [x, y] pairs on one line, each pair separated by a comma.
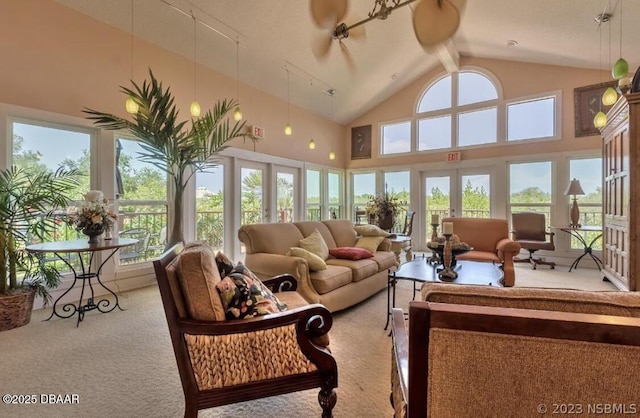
[[121, 364]]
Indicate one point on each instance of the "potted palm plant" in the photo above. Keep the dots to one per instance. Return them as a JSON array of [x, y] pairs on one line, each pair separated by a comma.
[[170, 145], [28, 201]]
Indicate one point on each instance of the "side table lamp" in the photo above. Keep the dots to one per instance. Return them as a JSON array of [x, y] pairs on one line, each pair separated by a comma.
[[576, 190]]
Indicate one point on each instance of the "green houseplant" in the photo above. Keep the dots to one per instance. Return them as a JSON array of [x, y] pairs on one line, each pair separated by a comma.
[[170, 145], [28, 201]]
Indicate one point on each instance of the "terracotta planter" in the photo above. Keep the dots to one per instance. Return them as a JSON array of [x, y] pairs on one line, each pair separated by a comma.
[[15, 309]]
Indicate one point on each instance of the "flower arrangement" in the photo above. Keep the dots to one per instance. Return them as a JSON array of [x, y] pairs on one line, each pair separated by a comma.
[[381, 206], [94, 216]]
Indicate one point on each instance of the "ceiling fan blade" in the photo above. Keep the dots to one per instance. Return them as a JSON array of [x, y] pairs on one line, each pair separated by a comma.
[[320, 45], [435, 21], [347, 57], [325, 13]]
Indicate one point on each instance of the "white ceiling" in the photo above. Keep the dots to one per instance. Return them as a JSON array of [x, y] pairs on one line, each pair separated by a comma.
[[276, 35]]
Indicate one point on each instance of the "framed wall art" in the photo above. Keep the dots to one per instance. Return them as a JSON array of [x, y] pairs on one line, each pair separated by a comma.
[[587, 102], [361, 142]]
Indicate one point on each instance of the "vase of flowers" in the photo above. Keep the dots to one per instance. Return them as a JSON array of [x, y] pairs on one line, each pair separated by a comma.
[[94, 217]]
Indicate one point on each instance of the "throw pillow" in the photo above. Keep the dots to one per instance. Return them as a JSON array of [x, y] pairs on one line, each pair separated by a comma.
[[350, 253], [314, 243], [371, 231], [245, 296], [369, 243], [224, 263], [315, 263]]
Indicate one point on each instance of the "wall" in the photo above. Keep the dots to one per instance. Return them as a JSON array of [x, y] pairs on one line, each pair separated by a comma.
[[518, 79], [58, 60]]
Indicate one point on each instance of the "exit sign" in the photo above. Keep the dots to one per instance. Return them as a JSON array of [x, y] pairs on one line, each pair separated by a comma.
[[257, 131], [453, 157]]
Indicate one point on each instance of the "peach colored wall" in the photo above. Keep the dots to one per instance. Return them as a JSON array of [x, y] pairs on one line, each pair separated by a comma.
[[518, 79], [59, 60]]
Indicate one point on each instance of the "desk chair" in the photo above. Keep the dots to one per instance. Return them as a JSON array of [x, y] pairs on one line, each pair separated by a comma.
[[529, 229]]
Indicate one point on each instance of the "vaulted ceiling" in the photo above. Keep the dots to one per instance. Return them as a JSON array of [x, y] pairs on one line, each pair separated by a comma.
[[275, 38]]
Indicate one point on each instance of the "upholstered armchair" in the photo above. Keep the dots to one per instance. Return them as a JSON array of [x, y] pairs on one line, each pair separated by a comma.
[[223, 361], [490, 240], [488, 351]]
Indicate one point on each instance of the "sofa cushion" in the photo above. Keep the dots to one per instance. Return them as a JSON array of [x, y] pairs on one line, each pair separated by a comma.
[[224, 263], [309, 227], [560, 300], [330, 279], [360, 269], [244, 295], [479, 256], [315, 244], [295, 300], [342, 232], [385, 260], [198, 276], [369, 243], [350, 253], [272, 238], [314, 262], [371, 231]]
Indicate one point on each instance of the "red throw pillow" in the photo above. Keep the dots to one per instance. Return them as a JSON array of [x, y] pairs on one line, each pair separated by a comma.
[[350, 253]]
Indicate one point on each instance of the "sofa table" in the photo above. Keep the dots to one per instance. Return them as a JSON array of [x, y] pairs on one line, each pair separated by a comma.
[[85, 253], [421, 270]]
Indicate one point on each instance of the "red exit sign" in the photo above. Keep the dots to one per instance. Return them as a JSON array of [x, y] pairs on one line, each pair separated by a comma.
[[258, 132], [453, 157]]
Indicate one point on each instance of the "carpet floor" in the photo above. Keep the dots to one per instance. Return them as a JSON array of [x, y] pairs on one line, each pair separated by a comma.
[[121, 364]]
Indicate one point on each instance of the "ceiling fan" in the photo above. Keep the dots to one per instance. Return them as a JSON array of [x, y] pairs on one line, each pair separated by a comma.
[[434, 21]]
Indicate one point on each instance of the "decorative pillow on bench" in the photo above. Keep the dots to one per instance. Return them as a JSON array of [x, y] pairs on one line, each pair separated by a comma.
[[350, 253], [244, 295]]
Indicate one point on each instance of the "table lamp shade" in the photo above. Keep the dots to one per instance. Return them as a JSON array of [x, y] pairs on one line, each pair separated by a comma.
[[576, 190]]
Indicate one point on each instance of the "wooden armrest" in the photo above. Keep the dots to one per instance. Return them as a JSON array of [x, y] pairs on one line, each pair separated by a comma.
[[401, 350], [281, 283]]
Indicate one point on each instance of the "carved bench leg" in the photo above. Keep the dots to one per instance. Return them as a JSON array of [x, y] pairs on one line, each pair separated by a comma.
[[327, 399]]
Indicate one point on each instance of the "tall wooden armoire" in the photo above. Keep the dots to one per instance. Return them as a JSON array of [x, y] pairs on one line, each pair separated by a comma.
[[621, 172]]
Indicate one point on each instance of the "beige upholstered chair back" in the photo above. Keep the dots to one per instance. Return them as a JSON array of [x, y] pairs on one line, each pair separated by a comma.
[[258, 238], [483, 234]]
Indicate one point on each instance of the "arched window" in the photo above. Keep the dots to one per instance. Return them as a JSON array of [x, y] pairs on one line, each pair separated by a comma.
[[458, 110]]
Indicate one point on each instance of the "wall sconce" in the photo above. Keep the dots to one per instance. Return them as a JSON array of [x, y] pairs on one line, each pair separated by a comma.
[[332, 155], [576, 190], [312, 144], [195, 106]]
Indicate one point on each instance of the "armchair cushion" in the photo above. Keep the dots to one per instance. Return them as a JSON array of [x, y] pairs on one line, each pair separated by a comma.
[[198, 276], [245, 296], [315, 263], [315, 244], [224, 263], [369, 243]]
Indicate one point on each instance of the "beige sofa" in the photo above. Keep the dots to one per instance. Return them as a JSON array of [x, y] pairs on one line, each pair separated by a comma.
[[507, 352], [490, 240], [344, 282]]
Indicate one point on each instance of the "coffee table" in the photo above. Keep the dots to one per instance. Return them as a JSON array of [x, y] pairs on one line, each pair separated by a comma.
[[420, 271]]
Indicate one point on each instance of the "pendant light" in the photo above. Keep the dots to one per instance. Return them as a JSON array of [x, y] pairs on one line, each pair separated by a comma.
[[331, 92], [312, 143], [288, 130], [600, 120], [195, 106], [130, 105], [610, 96], [621, 67], [237, 112]]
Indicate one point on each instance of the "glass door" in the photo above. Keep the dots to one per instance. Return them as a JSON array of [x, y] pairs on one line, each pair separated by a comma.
[[253, 195], [286, 194]]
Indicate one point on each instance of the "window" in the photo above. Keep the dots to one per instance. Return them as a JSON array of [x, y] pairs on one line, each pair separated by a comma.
[[142, 205], [466, 97], [284, 196], [210, 207], [531, 119], [334, 192], [530, 188], [396, 138], [398, 185], [313, 195], [589, 172], [363, 187], [476, 195]]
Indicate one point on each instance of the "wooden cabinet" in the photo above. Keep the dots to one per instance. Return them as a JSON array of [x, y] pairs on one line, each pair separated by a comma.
[[621, 169]]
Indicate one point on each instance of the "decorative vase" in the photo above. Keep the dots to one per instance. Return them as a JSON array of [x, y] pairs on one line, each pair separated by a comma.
[[386, 221], [93, 233]]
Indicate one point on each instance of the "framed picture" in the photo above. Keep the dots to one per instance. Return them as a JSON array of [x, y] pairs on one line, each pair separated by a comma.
[[587, 102], [361, 142]]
